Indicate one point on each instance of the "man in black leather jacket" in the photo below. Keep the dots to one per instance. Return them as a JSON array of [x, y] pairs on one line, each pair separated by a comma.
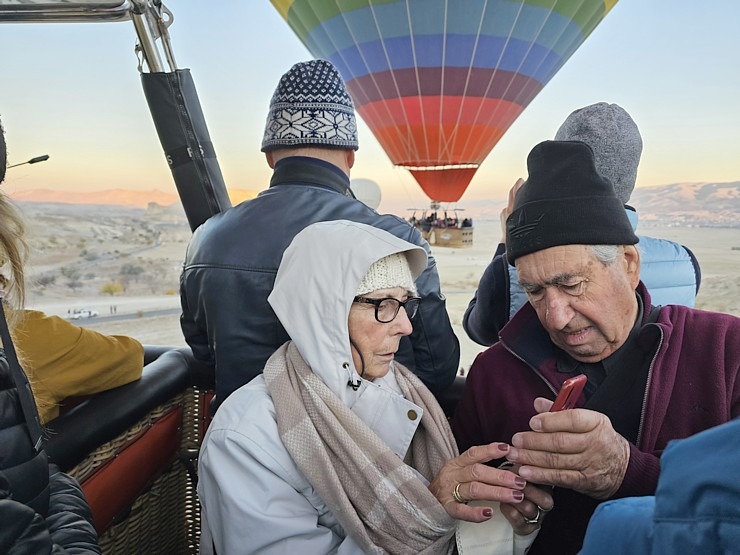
[[42, 510], [310, 142]]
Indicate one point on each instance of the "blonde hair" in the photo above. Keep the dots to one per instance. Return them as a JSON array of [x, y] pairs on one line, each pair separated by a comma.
[[13, 253], [13, 246]]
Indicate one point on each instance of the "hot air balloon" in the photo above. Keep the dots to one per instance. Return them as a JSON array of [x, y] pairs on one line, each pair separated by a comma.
[[439, 82], [366, 191]]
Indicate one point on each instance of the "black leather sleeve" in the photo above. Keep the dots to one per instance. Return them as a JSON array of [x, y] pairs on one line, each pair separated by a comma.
[[196, 337]]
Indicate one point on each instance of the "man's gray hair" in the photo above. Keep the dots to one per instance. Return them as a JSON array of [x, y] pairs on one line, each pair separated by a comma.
[[606, 254]]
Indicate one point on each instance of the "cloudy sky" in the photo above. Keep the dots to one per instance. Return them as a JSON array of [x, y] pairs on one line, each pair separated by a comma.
[[72, 91]]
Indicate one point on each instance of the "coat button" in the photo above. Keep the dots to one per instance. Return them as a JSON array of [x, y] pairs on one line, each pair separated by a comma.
[[412, 414]]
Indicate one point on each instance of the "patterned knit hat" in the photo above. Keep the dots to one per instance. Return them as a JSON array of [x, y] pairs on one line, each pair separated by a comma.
[[311, 107], [565, 201], [386, 273], [615, 139]]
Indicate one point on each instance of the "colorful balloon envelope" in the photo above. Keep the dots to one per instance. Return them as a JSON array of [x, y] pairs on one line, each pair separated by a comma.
[[440, 81]]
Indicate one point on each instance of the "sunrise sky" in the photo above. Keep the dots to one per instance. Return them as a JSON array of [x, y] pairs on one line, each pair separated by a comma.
[[72, 91]]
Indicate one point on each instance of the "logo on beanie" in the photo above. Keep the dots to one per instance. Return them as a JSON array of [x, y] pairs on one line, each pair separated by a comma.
[[521, 228]]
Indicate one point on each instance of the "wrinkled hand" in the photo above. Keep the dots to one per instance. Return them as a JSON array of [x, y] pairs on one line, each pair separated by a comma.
[[509, 207], [477, 481], [576, 449], [537, 503]]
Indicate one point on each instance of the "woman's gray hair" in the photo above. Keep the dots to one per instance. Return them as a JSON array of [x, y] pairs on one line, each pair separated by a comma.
[[606, 254]]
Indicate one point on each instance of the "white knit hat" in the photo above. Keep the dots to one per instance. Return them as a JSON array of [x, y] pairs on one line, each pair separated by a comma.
[[386, 273]]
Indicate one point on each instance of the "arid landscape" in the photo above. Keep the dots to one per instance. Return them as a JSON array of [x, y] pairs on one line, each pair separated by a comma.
[[124, 262]]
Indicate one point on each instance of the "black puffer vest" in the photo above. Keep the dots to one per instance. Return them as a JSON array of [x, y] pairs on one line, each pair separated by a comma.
[[26, 471]]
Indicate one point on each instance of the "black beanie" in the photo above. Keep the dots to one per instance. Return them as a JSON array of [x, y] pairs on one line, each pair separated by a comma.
[[565, 201]]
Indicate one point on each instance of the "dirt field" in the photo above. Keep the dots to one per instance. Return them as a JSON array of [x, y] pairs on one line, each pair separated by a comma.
[[717, 249]]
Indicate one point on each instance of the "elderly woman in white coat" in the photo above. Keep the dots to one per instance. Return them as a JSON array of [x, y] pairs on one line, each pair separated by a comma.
[[336, 448]]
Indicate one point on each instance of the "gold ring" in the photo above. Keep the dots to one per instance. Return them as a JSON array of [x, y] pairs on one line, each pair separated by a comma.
[[456, 494]]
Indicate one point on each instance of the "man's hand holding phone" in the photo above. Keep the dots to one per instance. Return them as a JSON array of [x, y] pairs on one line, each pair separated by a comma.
[[575, 449]]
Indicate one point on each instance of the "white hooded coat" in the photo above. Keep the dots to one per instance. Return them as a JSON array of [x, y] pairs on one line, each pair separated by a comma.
[[253, 496]]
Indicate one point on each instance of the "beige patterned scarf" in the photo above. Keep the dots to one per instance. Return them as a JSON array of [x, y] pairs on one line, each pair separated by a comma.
[[376, 497]]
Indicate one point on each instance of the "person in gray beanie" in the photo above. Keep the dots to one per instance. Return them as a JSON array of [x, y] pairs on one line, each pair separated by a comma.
[[309, 141], [670, 271], [610, 131], [653, 373]]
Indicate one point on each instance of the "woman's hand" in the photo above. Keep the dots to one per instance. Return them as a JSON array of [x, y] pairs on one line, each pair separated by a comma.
[[526, 516], [467, 478]]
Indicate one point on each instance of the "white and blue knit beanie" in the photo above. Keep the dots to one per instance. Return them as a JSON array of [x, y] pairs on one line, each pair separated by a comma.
[[615, 139], [311, 107]]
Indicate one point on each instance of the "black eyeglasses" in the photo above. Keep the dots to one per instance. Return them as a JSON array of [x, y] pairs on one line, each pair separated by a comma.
[[387, 309]]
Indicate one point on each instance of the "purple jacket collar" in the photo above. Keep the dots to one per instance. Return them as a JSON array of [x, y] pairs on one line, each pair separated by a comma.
[[526, 338]]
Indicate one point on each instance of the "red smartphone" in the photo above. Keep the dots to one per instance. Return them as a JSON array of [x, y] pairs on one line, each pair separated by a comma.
[[569, 393]]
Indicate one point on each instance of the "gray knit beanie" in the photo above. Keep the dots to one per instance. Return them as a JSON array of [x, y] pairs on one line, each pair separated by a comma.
[[311, 107], [615, 139]]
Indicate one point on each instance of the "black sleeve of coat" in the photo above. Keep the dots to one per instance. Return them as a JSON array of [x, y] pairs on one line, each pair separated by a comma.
[[196, 337], [488, 310], [69, 519], [697, 268], [22, 530], [432, 351]]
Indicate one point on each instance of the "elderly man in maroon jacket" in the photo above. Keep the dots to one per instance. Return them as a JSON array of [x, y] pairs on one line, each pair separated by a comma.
[[654, 373]]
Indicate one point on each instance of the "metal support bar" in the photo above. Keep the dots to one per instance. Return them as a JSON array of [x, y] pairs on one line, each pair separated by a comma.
[[147, 42]]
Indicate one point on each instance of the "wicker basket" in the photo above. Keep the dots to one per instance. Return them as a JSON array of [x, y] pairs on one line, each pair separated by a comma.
[[165, 518]]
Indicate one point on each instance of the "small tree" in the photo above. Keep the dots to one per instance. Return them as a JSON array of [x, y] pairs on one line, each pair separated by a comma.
[[112, 288], [132, 270], [70, 273], [43, 281], [74, 284]]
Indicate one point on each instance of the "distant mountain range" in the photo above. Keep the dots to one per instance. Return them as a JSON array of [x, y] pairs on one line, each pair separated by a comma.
[[677, 204], [680, 204], [692, 204], [118, 197]]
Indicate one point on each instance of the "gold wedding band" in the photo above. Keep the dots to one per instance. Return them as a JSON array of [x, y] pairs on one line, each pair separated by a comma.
[[456, 494]]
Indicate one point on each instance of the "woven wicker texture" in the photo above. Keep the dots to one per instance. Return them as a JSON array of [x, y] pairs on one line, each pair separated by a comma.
[[164, 519]]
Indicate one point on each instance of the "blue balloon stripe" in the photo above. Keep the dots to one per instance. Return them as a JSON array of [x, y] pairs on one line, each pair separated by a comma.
[[528, 59], [501, 18]]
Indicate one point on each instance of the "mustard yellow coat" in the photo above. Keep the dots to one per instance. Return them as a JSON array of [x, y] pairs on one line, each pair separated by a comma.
[[64, 360]]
